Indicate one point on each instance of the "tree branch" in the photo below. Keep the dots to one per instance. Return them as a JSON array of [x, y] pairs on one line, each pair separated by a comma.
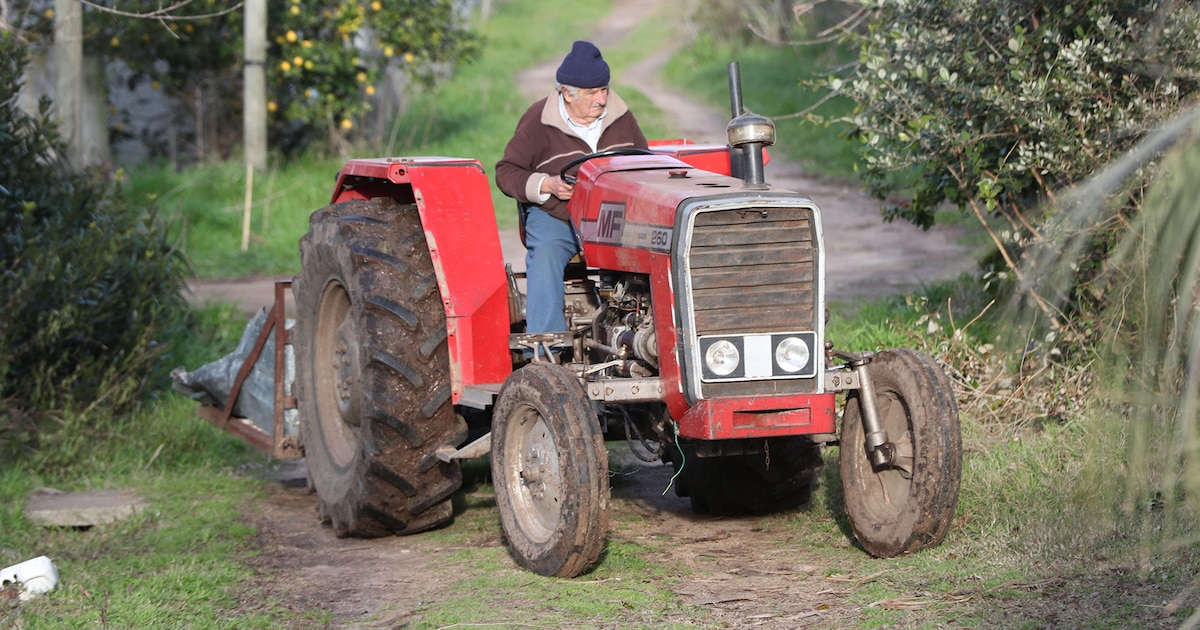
[[162, 14]]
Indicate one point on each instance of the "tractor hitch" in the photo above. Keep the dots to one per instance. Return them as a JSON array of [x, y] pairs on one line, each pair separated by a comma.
[[250, 399]]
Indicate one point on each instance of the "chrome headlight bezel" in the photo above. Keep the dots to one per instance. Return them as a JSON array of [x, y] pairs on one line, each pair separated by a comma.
[[760, 356], [793, 355]]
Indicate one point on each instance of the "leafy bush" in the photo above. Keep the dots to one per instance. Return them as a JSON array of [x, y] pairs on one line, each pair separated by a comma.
[[88, 284], [995, 106], [979, 101]]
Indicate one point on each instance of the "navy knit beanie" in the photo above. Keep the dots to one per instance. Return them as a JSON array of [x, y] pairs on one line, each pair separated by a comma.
[[583, 67]]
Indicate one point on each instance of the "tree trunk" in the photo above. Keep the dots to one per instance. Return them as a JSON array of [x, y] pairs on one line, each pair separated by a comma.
[[68, 72], [95, 149]]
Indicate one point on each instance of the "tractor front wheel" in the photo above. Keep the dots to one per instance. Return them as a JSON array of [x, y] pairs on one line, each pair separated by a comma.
[[550, 468], [906, 506]]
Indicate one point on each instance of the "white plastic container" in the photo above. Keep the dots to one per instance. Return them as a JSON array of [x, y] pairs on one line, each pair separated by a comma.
[[35, 577]]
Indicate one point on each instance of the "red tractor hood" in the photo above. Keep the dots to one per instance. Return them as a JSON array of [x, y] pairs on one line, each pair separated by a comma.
[[624, 207]]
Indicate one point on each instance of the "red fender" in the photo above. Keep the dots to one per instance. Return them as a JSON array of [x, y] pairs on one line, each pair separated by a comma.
[[454, 199]]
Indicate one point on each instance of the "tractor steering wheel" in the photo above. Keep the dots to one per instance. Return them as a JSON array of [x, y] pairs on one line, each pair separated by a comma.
[[571, 179]]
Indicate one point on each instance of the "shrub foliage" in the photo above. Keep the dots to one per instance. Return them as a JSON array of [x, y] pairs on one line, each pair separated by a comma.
[[995, 106], [1050, 119], [87, 283]]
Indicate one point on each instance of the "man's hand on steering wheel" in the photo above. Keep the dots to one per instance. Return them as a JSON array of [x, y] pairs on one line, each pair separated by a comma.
[[557, 186]]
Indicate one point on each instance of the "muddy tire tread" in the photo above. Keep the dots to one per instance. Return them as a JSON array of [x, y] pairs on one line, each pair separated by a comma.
[[377, 250], [580, 535], [928, 397]]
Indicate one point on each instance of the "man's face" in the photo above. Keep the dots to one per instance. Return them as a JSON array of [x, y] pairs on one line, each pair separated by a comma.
[[588, 105]]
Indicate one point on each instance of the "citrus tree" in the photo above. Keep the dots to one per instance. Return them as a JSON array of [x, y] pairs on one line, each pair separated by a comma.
[[331, 56], [325, 59]]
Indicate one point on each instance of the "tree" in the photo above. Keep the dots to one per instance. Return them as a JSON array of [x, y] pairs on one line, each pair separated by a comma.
[[325, 58], [995, 106], [1069, 124]]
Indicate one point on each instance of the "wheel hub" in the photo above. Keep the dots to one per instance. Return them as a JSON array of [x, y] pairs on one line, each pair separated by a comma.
[[336, 374], [540, 480], [347, 380], [894, 478], [902, 456]]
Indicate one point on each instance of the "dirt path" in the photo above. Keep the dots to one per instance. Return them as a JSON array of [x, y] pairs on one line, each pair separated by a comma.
[[745, 569]]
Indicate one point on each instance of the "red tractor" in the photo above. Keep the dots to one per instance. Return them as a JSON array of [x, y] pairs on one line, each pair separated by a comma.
[[696, 326]]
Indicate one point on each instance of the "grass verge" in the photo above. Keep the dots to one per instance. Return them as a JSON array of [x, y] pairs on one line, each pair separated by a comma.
[[180, 561], [1050, 526]]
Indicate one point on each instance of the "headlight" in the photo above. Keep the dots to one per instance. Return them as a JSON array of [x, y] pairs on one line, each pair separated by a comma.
[[749, 357], [722, 358], [792, 355]]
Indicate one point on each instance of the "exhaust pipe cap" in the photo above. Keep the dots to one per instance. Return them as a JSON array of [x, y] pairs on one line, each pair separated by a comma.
[[750, 128]]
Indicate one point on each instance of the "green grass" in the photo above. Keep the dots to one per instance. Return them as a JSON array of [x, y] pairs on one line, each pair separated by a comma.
[[178, 562], [1027, 548], [175, 562], [624, 589], [1045, 515], [205, 206]]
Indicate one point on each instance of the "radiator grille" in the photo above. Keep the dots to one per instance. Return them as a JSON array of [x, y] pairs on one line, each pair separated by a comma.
[[753, 270]]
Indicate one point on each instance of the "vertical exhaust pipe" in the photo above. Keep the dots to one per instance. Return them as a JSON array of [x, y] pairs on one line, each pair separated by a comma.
[[737, 157], [735, 90], [749, 134]]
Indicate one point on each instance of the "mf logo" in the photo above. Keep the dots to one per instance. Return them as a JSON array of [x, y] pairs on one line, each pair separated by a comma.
[[611, 222]]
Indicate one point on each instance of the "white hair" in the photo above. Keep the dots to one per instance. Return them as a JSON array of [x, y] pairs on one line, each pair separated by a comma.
[[571, 89]]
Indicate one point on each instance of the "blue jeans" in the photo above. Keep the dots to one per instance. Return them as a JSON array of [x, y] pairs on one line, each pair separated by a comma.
[[551, 244]]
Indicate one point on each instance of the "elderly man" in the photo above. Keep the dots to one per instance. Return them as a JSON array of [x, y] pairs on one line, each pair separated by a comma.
[[582, 116]]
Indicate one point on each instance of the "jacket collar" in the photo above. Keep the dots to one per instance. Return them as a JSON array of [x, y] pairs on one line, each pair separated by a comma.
[[551, 118]]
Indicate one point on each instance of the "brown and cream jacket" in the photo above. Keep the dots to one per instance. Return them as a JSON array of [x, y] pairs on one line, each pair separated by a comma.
[[542, 144]]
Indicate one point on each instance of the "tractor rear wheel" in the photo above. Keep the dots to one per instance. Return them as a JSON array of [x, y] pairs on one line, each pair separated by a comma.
[[907, 506], [778, 479], [373, 371], [550, 468]]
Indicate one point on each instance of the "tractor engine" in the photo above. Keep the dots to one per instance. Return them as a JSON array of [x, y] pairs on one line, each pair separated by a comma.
[[705, 290], [622, 336]]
